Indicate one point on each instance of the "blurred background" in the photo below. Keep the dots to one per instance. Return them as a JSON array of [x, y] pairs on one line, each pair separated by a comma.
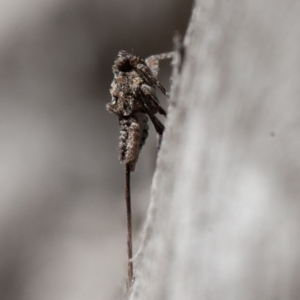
[[62, 209]]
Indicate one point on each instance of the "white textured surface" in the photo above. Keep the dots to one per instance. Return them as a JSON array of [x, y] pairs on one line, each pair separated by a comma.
[[226, 192]]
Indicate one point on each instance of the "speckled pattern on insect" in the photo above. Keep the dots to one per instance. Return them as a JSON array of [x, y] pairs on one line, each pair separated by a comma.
[[133, 92]]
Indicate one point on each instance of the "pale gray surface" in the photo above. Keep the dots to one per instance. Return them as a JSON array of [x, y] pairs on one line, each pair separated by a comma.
[[224, 221]]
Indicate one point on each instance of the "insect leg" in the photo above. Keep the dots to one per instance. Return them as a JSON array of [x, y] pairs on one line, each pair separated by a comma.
[[167, 55], [159, 127], [153, 61], [149, 93], [145, 72]]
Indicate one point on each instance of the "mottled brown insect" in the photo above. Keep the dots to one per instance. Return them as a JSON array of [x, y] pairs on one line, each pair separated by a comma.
[[133, 92], [133, 99]]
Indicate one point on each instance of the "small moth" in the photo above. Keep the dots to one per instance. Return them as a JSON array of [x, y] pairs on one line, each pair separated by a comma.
[[133, 93], [134, 99]]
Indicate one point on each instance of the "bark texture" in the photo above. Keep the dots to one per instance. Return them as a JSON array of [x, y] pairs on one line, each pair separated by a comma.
[[224, 218]]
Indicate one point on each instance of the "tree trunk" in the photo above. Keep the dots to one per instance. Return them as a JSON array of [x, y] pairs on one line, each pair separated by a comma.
[[224, 218]]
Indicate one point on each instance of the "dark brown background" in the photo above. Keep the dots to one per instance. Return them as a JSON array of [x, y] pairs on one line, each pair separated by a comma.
[[62, 214]]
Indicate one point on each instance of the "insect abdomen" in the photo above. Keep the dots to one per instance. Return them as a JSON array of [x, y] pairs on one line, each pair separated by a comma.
[[133, 134], [129, 145]]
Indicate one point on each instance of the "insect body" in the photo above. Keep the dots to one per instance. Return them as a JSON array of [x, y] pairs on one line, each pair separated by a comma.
[[133, 92]]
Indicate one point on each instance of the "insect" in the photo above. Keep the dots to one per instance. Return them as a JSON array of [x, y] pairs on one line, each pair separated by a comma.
[[133, 93], [134, 99]]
